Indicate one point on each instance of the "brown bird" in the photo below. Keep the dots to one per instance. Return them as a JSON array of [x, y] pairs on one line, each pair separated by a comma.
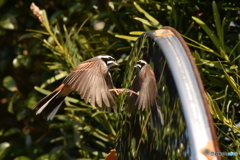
[[91, 79], [144, 84]]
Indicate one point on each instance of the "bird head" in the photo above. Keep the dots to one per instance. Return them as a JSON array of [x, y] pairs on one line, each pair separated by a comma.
[[140, 64], [109, 60]]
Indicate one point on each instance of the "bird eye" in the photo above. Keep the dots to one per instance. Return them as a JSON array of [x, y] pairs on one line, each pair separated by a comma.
[[111, 58]]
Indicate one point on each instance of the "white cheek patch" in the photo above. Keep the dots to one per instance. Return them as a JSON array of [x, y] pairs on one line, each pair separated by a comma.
[[142, 61], [103, 56], [109, 62], [138, 66]]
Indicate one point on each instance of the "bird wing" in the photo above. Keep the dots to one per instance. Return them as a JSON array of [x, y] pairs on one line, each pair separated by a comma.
[[88, 79], [132, 98], [148, 89]]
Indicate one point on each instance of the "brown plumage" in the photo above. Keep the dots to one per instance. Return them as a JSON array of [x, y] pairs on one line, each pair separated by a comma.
[[144, 84], [90, 79]]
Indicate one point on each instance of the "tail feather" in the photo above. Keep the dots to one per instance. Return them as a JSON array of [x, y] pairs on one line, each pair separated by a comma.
[[156, 116], [53, 107], [49, 105]]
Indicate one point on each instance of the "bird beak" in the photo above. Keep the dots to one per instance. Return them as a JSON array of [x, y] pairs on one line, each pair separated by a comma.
[[115, 64]]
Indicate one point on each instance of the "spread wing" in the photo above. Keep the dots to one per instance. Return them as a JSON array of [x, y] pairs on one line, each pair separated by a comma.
[[89, 80], [132, 98], [148, 89], [145, 85]]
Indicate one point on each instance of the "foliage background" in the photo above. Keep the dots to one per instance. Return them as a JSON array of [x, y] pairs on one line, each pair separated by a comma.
[[29, 59]]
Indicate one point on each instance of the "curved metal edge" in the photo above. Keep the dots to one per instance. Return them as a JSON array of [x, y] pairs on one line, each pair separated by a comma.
[[158, 33], [200, 85]]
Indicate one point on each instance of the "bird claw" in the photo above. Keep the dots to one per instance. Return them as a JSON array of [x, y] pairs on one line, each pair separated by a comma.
[[119, 91]]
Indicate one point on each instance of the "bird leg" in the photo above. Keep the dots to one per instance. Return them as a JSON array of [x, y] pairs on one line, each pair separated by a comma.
[[119, 91]]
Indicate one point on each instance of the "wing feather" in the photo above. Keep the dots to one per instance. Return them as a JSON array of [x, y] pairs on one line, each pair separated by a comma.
[[90, 82], [148, 89], [145, 85]]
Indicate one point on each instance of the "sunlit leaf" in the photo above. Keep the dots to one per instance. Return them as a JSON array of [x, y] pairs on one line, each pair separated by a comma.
[[18, 61], [215, 109], [9, 22], [144, 21], [22, 158], [43, 157], [4, 149], [137, 33], [153, 22], [235, 67], [9, 83], [10, 103], [212, 36], [44, 91], [54, 79], [232, 82], [127, 37]]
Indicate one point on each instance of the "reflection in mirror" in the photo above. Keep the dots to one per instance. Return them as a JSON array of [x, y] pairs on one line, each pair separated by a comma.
[[138, 138]]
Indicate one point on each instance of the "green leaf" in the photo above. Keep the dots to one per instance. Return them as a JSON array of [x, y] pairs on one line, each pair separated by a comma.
[[12, 131], [2, 2], [218, 24], [234, 67], [18, 61], [9, 22], [101, 137], [212, 36], [44, 91], [54, 79], [43, 157], [152, 20], [137, 33], [37, 32], [214, 109], [208, 31], [127, 37], [144, 21], [4, 148], [201, 46], [10, 103], [98, 112], [10, 84], [236, 58], [56, 152], [232, 82], [32, 99], [30, 35], [22, 158]]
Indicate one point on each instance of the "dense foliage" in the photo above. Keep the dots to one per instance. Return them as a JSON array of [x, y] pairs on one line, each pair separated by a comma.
[[35, 56]]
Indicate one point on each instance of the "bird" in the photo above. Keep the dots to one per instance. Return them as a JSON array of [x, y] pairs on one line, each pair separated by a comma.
[[91, 79], [144, 84]]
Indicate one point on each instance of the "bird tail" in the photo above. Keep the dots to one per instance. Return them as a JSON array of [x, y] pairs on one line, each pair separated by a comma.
[[49, 105], [156, 116]]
